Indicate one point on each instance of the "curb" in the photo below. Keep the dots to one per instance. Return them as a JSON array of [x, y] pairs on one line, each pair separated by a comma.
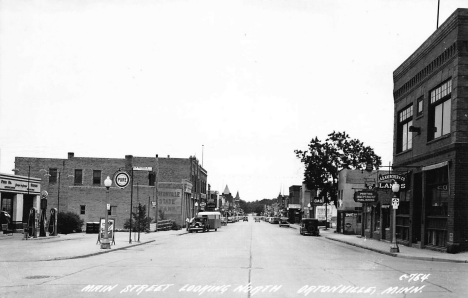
[[96, 253], [430, 259]]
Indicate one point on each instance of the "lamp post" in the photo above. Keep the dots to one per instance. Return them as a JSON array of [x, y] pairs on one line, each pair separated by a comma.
[[395, 189], [105, 244], [196, 207]]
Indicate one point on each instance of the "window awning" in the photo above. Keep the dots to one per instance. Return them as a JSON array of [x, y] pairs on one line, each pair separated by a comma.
[[435, 166]]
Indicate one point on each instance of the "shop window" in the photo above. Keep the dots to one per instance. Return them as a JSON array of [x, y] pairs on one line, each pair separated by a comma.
[[7, 205], [82, 209], [440, 111], [437, 237], [53, 175], [96, 177], [405, 120], [78, 176], [437, 190]]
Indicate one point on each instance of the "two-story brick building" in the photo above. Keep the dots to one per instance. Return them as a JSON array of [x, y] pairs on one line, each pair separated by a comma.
[[431, 137], [76, 184]]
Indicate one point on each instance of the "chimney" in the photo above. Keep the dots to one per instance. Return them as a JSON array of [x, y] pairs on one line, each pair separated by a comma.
[[71, 155]]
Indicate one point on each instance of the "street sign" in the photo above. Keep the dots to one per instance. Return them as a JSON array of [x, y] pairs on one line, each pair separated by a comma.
[[395, 203], [122, 179], [149, 169], [365, 196]]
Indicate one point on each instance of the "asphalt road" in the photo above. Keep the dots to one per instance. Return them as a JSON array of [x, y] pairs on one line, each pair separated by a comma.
[[244, 259]]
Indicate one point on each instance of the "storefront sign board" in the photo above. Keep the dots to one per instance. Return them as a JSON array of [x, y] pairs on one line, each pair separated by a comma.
[[365, 196]]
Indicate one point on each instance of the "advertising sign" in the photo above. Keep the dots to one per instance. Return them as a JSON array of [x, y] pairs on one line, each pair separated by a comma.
[[365, 196], [170, 200], [122, 179], [110, 228], [320, 213]]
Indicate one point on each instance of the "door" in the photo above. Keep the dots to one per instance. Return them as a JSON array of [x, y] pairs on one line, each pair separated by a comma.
[[27, 205], [416, 211]]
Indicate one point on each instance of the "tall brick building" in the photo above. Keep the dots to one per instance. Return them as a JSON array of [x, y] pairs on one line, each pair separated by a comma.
[[431, 139], [76, 184]]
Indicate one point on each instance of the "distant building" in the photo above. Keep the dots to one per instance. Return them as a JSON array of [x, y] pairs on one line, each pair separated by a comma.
[[76, 184]]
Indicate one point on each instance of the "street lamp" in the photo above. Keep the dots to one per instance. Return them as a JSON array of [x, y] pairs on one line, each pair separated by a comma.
[[196, 207], [395, 189], [105, 244]]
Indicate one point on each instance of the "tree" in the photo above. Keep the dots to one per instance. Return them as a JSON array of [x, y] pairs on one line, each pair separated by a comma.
[[324, 160], [140, 221], [69, 222]]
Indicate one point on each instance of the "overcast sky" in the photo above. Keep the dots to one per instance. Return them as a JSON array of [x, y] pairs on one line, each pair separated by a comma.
[[248, 81]]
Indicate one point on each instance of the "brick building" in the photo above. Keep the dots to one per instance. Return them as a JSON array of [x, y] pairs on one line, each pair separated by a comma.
[[431, 139], [76, 184]]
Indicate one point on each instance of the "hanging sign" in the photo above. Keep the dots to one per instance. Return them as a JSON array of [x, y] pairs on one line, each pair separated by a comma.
[[122, 179], [365, 196]]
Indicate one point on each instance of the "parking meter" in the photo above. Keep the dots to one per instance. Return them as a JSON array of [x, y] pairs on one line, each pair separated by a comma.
[[33, 220], [52, 226]]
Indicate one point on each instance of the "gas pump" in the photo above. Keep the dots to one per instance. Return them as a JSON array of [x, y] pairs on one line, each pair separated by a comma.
[[33, 221], [43, 218], [52, 227]]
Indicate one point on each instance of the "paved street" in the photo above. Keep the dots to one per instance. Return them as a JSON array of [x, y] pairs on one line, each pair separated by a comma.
[[243, 259]]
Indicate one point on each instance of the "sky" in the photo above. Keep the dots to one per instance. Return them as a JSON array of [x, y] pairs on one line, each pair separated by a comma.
[[238, 84]]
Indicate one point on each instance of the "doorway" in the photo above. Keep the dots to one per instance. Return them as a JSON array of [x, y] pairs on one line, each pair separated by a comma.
[[417, 208], [28, 201]]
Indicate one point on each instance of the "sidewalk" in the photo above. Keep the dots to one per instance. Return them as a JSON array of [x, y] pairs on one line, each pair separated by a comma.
[[71, 246], [383, 247]]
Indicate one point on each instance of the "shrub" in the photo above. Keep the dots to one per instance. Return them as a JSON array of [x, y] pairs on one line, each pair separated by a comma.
[[69, 222]]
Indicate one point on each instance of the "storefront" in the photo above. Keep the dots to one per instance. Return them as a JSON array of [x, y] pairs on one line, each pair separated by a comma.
[[18, 194]]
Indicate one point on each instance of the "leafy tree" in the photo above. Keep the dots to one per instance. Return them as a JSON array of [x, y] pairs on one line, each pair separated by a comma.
[[140, 221], [324, 160]]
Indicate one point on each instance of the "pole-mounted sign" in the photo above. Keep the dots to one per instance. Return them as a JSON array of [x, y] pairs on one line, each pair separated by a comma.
[[122, 179]]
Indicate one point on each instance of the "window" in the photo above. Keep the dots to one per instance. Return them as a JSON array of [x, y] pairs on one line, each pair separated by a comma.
[[82, 209], [420, 106], [78, 176], [151, 178], [112, 211], [53, 175], [7, 205], [440, 111], [96, 177], [405, 120]]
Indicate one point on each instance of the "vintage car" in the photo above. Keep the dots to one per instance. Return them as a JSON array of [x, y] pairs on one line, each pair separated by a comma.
[[309, 226], [274, 220], [246, 218], [198, 224], [283, 222], [257, 219]]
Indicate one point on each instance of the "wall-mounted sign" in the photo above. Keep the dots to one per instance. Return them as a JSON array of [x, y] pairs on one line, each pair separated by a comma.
[[20, 184], [122, 179], [149, 169], [385, 181], [365, 196], [319, 200]]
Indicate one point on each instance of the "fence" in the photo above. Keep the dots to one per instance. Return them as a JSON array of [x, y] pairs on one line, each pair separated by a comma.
[[164, 225]]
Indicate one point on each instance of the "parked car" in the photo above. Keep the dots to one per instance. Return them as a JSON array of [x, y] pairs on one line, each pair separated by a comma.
[[274, 220], [246, 218], [283, 222], [309, 226], [198, 224], [257, 219]]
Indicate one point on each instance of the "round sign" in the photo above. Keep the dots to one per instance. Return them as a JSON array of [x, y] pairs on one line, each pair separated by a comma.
[[44, 194], [122, 179]]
